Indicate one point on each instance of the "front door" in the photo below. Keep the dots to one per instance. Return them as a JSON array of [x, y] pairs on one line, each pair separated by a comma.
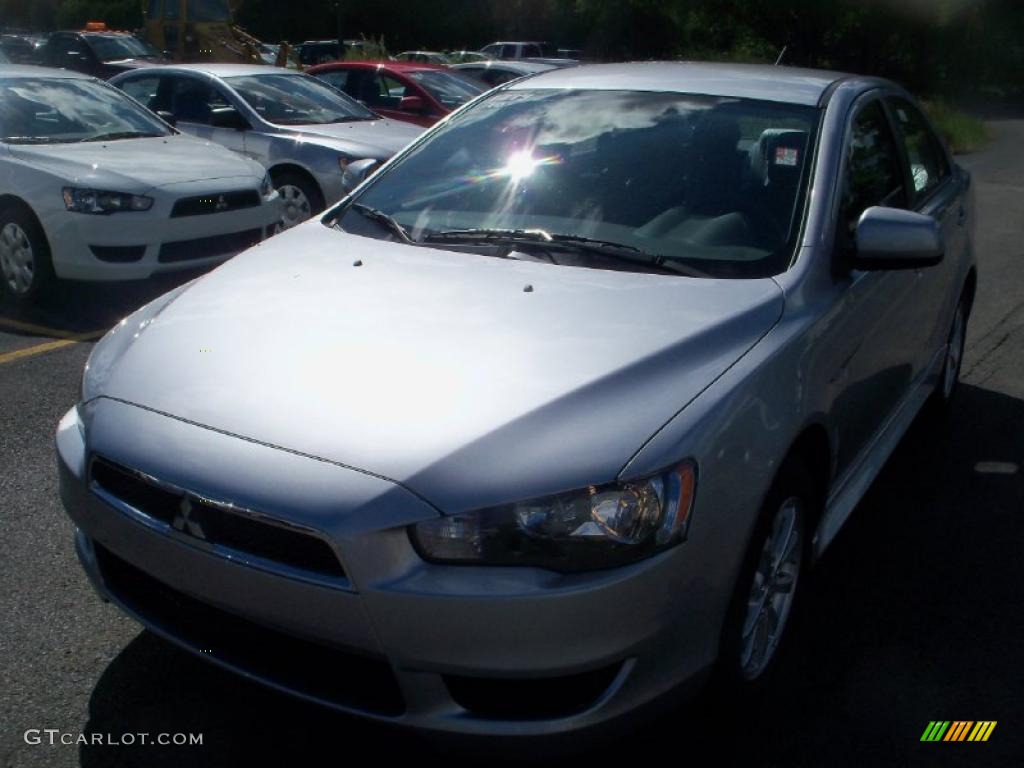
[[876, 320]]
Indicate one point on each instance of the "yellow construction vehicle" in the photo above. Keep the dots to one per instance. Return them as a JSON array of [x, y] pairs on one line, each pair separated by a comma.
[[199, 30]]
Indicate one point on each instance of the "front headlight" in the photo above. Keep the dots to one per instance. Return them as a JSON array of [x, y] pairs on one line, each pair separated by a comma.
[[82, 200], [597, 527]]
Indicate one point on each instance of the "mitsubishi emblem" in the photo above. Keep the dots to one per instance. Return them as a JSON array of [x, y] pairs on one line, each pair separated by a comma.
[[183, 520]]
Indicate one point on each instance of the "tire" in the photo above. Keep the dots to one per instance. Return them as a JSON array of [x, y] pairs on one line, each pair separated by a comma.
[[302, 197], [941, 402], [26, 267], [771, 582]]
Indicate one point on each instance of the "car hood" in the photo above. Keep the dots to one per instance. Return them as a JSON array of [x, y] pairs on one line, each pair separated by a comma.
[[365, 138], [138, 165], [435, 369]]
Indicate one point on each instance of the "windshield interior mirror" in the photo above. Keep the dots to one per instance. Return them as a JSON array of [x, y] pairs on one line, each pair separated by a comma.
[[892, 238], [228, 117], [412, 104], [357, 172]]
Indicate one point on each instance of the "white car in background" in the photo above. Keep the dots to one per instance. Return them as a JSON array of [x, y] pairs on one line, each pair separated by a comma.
[[95, 187]]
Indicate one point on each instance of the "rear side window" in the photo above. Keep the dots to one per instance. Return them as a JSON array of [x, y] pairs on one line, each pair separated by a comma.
[[342, 79], [873, 175], [928, 164], [193, 101], [143, 90]]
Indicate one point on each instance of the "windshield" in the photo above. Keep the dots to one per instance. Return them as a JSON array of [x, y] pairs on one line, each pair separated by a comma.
[[449, 89], [58, 111], [697, 184], [297, 100], [117, 47], [208, 10]]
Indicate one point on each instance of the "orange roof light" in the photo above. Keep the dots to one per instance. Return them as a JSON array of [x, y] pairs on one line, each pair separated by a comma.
[[95, 26]]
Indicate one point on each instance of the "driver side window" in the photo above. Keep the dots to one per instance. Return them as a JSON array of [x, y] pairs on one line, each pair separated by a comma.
[[873, 171]]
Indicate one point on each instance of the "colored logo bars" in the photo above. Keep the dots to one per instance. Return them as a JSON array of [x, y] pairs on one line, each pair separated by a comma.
[[958, 730]]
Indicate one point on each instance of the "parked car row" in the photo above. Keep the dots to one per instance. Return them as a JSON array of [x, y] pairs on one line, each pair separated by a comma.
[[201, 162], [315, 134]]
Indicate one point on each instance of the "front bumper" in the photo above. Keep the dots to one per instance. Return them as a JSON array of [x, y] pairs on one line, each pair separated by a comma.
[[491, 651], [137, 245]]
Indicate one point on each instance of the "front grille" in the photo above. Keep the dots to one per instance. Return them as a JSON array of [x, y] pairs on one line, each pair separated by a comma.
[[118, 254], [217, 524], [326, 673], [216, 203], [207, 247]]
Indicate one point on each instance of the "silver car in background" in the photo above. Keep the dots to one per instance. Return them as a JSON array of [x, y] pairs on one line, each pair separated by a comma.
[[554, 412], [303, 131]]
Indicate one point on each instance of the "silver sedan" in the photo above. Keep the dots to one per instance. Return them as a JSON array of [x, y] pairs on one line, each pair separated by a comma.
[[553, 414], [303, 131]]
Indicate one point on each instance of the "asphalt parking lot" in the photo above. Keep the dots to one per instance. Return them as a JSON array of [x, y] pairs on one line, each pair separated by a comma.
[[914, 615]]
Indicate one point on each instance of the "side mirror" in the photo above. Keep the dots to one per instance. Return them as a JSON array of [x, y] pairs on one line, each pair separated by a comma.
[[167, 117], [228, 117], [357, 172], [414, 104], [891, 238]]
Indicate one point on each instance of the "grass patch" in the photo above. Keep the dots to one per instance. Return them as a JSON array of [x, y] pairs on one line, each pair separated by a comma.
[[965, 133]]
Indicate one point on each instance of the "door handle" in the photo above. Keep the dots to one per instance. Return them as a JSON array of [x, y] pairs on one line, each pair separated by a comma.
[[961, 216]]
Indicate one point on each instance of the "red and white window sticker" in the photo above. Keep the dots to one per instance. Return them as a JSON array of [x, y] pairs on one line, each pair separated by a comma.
[[787, 156]]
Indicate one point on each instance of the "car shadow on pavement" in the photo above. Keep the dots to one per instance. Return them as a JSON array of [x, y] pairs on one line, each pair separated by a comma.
[[909, 618], [82, 308]]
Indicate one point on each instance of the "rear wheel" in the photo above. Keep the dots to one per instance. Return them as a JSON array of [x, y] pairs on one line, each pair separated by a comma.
[[26, 271], [950, 377], [301, 197]]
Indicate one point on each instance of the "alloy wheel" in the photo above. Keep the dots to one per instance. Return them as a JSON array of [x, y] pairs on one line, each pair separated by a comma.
[[773, 589], [954, 353]]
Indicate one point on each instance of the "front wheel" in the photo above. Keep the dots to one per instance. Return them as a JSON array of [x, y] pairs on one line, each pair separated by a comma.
[[300, 195], [770, 583], [26, 271]]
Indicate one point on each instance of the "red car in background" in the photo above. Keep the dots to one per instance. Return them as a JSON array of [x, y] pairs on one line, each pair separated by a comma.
[[412, 91]]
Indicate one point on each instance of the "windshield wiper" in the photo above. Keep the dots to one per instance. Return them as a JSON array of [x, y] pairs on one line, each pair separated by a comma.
[[113, 136], [386, 220], [549, 240], [544, 239], [34, 140]]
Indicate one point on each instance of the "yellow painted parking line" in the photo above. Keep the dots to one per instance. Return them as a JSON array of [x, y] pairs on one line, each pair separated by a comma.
[[38, 349], [62, 339], [53, 333]]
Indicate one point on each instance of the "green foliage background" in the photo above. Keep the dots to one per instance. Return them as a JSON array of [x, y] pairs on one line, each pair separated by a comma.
[[944, 46]]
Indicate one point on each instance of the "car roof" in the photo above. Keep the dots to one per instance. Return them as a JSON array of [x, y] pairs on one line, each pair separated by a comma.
[[513, 65], [396, 66], [21, 71], [221, 70], [745, 81]]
